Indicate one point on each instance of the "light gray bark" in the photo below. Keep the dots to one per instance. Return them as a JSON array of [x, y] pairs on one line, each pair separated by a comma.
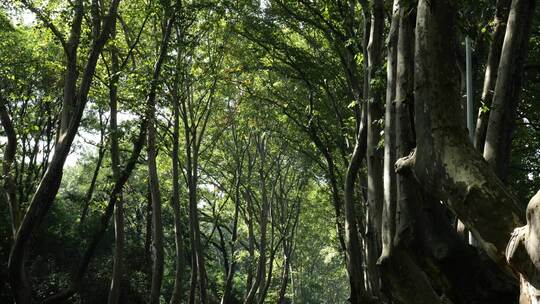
[[388, 224]]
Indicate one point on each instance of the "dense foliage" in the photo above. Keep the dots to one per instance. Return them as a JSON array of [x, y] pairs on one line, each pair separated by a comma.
[[253, 112]]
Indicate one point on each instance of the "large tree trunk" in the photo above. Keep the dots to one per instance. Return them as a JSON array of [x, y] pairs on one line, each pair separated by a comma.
[[508, 86], [445, 162]]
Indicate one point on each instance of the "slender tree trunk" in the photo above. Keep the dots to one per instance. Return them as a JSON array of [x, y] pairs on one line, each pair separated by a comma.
[[508, 86], [374, 155], [227, 297], [90, 191], [354, 250], [388, 226], [261, 265], [157, 224], [118, 260], [175, 202], [492, 65]]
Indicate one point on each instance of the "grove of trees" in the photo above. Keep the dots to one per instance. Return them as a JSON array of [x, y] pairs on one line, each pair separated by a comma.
[[270, 151]]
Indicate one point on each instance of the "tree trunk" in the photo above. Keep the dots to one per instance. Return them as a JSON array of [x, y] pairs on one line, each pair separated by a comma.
[[261, 265], [91, 188], [118, 260], [227, 291], [492, 65], [354, 250], [445, 162], [388, 225], [374, 155], [157, 224], [176, 296], [508, 86]]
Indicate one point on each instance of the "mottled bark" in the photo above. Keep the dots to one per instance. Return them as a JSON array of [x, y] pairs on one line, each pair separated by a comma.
[[508, 86], [523, 254], [445, 161]]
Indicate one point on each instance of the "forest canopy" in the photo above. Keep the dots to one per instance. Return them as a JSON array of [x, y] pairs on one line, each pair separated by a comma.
[[269, 151]]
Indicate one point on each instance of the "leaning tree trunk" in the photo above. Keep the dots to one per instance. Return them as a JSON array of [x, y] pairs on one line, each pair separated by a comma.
[[508, 86]]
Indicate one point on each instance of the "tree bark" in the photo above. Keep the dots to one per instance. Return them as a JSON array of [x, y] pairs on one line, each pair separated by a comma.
[[508, 86], [405, 137], [374, 155], [388, 224]]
